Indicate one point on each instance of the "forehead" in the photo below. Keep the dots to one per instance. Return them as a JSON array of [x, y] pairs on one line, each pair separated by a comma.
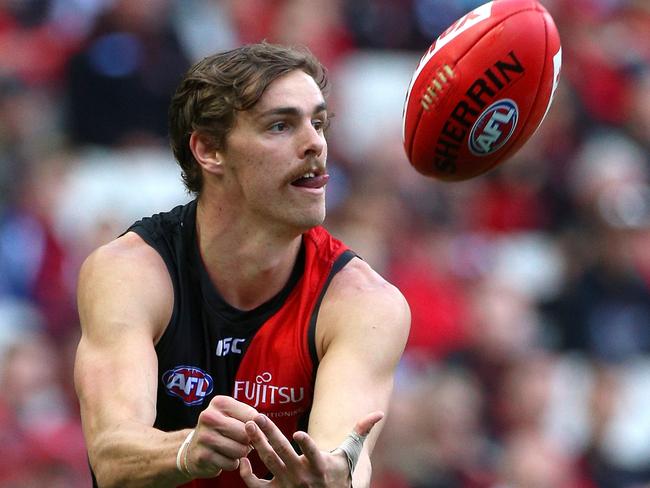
[[295, 89]]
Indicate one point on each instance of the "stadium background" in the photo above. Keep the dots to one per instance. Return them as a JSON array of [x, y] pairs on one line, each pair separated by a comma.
[[528, 364]]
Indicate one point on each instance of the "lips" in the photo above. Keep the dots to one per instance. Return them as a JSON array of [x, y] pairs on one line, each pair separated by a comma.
[[311, 180]]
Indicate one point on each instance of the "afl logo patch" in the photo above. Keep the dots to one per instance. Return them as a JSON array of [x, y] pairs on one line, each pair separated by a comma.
[[190, 384], [494, 127]]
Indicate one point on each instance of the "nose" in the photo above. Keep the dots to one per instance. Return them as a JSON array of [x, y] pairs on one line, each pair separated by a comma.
[[312, 142]]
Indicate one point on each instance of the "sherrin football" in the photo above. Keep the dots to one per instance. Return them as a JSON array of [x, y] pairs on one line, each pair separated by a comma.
[[482, 89]]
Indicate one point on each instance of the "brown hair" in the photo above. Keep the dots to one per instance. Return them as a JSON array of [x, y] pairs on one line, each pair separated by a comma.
[[216, 87]]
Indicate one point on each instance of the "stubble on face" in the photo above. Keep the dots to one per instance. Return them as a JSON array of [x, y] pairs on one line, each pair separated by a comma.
[[272, 145]]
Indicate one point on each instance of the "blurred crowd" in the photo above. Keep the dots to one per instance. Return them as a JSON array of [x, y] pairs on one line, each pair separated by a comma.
[[528, 364]]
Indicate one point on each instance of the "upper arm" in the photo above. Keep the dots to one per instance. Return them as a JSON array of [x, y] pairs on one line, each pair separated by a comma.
[[125, 299], [361, 333]]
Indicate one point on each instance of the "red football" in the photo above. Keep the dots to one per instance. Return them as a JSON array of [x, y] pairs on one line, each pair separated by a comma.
[[482, 89]]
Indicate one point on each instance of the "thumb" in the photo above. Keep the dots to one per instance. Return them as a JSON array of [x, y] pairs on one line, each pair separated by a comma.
[[246, 472], [365, 425]]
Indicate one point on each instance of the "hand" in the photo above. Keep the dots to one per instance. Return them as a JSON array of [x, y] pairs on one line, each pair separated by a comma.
[[220, 437], [314, 468]]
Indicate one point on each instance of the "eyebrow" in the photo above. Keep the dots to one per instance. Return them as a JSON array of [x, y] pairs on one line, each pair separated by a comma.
[[321, 107]]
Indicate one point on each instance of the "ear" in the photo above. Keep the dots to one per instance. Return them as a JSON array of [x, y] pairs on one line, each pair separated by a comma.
[[205, 154]]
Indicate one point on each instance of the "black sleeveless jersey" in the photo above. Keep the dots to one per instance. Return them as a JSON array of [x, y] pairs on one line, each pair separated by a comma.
[[264, 357]]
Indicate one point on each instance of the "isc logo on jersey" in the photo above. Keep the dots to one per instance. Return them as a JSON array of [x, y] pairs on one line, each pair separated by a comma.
[[190, 384], [229, 345], [494, 127]]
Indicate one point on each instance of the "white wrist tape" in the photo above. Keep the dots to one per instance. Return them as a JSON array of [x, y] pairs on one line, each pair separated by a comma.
[[351, 447], [182, 454]]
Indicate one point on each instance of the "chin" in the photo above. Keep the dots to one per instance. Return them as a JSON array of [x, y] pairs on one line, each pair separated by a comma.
[[309, 220], [311, 223]]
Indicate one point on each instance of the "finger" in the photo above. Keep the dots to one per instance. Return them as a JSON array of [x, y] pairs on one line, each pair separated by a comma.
[[233, 408], [212, 463], [265, 451], [220, 423], [365, 425], [212, 452], [229, 464], [233, 429], [247, 475], [278, 442], [311, 451], [224, 445]]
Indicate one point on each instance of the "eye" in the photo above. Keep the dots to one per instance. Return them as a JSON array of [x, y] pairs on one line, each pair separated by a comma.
[[320, 124], [279, 126]]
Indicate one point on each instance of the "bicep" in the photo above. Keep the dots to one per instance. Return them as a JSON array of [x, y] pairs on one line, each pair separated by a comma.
[[115, 382], [116, 364]]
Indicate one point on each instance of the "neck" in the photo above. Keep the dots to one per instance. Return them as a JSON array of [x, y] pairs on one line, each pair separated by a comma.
[[247, 264]]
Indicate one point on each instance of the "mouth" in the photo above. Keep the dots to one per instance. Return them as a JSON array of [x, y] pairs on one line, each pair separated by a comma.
[[314, 178]]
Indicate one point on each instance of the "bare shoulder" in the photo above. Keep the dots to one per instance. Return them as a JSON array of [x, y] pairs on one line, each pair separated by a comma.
[[126, 261], [357, 284], [361, 297], [128, 249], [125, 279]]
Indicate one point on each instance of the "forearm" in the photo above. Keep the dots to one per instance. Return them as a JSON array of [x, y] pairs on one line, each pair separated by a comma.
[[363, 472], [136, 456]]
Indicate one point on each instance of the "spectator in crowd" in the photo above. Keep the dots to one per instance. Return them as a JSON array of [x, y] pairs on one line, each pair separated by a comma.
[[119, 84]]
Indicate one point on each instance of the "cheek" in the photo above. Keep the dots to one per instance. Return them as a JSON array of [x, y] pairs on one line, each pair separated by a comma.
[[248, 164], [262, 156]]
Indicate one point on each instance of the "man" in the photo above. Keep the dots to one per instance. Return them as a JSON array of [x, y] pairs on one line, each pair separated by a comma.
[[216, 334]]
